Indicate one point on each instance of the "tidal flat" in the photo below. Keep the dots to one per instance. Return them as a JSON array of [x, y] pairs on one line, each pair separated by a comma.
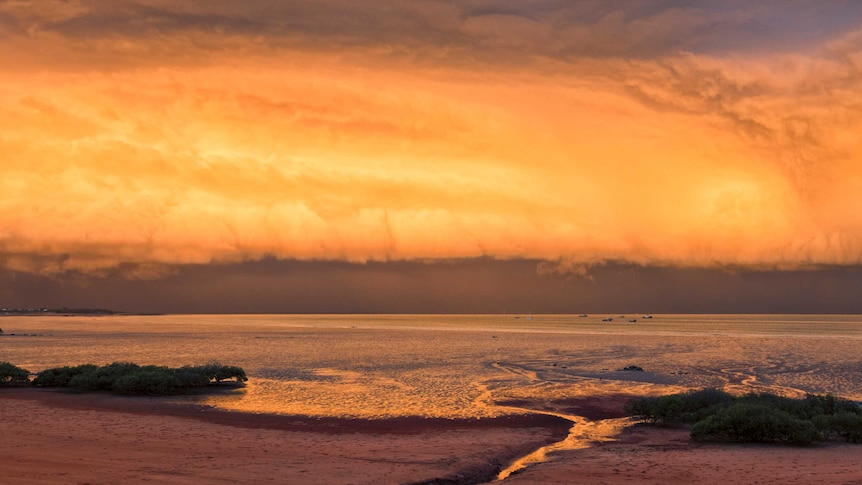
[[449, 385]]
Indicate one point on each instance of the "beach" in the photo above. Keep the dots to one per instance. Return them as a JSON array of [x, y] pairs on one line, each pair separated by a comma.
[[60, 437], [655, 455]]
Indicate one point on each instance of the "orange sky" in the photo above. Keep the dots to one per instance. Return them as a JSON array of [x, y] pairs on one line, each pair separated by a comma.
[[142, 134]]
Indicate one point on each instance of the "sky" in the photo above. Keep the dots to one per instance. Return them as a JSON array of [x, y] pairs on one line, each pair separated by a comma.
[[431, 155]]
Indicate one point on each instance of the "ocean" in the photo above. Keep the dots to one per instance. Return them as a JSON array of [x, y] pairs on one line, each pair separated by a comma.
[[373, 366]]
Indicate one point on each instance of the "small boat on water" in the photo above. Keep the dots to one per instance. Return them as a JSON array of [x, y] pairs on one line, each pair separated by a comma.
[[583, 315], [647, 316], [609, 319]]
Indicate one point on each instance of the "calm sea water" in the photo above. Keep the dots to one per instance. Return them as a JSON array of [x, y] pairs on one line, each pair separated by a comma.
[[457, 365]]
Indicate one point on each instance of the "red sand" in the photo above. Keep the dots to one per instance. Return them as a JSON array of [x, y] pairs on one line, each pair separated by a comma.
[[654, 455], [56, 437]]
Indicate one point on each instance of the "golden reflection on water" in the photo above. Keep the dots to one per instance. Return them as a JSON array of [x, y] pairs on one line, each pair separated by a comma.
[[458, 366], [582, 435]]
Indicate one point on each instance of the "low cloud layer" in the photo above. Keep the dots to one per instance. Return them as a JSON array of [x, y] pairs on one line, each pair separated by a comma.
[[136, 136]]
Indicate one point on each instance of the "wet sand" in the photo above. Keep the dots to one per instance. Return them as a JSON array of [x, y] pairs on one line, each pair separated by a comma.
[[654, 455], [60, 437], [659, 455]]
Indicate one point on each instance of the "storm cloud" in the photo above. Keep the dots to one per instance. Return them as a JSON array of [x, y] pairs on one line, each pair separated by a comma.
[[146, 136]]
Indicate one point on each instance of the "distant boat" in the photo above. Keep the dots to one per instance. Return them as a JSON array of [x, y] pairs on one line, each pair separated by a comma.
[[609, 319], [647, 316], [583, 314], [633, 320]]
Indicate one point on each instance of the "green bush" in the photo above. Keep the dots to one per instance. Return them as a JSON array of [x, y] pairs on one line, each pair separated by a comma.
[[149, 380], [192, 376], [797, 408], [60, 376], [847, 425], [754, 417], [217, 372], [678, 408], [13, 375], [125, 377], [816, 405], [102, 378], [130, 378], [755, 423], [662, 410]]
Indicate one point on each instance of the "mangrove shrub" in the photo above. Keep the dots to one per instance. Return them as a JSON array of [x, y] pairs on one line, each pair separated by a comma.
[[131, 378], [12, 374], [60, 376], [754, 417]]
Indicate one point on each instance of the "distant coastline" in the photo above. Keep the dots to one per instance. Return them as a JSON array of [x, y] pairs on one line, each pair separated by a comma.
[[17, 312]]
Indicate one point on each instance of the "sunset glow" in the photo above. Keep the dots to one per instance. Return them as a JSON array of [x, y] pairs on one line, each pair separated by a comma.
[[153, 134]]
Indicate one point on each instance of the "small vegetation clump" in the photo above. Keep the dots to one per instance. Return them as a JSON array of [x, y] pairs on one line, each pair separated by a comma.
[[133, 379], [13, 375], [754, 418], [60, 376]]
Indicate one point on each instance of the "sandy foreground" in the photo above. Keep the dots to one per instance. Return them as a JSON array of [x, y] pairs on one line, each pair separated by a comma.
[[57, 437], [654, 455]]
